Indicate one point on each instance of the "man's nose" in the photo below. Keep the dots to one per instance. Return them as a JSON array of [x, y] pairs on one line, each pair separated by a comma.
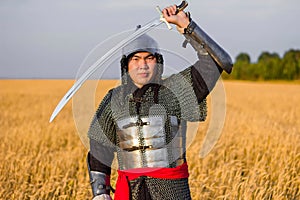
[[143, 63]]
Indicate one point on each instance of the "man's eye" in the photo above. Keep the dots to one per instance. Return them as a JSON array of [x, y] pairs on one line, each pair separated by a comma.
[[150, 58], [135, 59]]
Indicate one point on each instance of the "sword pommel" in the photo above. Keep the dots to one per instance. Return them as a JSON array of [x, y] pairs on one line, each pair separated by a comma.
[[182, 6]]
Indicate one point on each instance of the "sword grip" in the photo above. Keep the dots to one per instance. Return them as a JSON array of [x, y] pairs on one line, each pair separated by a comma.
[[182, 6]]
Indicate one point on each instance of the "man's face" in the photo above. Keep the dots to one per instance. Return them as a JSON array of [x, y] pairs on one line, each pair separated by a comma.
[[142, 68]]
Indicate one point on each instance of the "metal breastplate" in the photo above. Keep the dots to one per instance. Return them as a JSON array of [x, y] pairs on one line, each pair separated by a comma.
[[143, 142]]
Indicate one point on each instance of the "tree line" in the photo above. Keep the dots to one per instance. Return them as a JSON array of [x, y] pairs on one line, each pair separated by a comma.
[[269, 66]]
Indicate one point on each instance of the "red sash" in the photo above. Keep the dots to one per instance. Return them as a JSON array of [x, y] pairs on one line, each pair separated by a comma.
[[122, 185]]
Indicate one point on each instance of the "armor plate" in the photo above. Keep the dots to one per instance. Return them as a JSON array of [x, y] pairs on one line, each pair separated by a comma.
[[143, 142]]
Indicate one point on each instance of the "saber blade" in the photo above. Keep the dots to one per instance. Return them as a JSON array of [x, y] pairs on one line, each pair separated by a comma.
[[144, 29], [100, 62]]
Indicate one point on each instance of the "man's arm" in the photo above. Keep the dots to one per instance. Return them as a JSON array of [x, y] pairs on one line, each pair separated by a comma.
[[99, 175], [201, 40], [213, 59], [102, 147]]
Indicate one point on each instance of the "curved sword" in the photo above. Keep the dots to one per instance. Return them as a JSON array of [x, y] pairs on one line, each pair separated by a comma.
[[144, 29]]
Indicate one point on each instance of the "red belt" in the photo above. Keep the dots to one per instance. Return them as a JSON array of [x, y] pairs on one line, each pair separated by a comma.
[[122, 185]]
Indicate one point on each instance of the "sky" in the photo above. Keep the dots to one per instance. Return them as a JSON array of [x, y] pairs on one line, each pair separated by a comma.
[[51, 39]]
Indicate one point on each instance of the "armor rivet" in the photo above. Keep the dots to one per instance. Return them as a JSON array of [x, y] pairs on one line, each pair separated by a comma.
[[98, 192], [100, 187]]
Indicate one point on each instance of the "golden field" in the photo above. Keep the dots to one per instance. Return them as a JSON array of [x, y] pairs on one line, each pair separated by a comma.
[[256, 157]]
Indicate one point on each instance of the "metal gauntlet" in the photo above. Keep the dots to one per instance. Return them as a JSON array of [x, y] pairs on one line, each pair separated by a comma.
[[100, 182], [200, 40]]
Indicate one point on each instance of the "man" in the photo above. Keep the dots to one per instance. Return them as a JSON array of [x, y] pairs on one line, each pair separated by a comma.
[[144, 119]]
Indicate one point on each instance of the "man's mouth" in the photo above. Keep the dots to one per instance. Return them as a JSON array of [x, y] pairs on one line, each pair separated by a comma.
[[143, 74]]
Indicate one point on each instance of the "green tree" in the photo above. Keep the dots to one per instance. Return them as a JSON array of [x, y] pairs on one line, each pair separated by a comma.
[[269, 66], [291, 65], [241, 65], [243, 57]]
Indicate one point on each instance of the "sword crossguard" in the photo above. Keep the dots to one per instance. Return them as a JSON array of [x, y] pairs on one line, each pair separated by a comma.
[[179, 8], [162, 18]]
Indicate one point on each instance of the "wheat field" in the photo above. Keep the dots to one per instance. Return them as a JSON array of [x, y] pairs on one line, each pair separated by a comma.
[[256, 157]]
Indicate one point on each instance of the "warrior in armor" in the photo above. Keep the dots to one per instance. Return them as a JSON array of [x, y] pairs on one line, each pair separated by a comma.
[[142, 120]]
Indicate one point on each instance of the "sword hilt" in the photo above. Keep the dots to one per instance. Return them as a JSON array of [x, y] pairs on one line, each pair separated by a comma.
[[179, 8], [182, 6]]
